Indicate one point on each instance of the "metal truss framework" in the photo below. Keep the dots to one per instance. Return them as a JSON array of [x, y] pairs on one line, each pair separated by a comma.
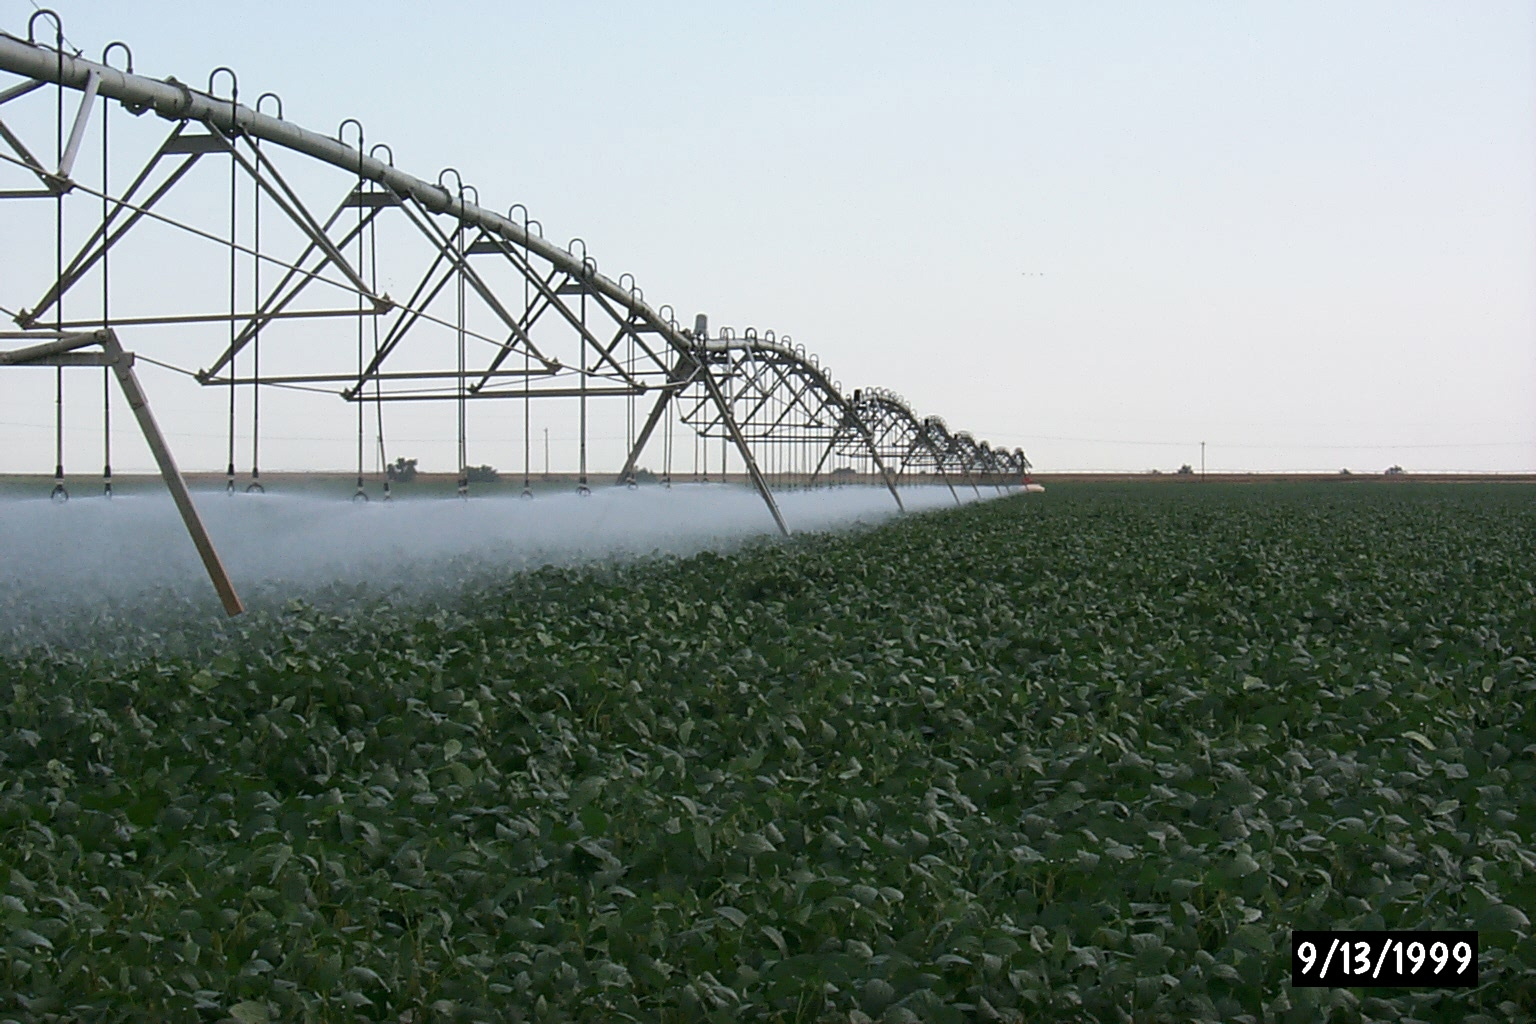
[[493, 309]]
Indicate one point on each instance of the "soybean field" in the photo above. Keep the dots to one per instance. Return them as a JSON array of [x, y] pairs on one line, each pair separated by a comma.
[[1086, 755]]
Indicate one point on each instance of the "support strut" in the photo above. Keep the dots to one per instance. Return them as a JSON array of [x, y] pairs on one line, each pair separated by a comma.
[[63, 351], [713, 387]]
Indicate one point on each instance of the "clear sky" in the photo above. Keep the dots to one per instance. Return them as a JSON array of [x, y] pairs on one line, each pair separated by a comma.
[[1304, 233]]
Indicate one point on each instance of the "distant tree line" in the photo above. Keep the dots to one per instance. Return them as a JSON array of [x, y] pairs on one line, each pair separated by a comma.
[[403, 471]]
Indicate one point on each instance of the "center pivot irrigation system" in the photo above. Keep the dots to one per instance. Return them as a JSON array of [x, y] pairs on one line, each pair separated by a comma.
[[282, 236]]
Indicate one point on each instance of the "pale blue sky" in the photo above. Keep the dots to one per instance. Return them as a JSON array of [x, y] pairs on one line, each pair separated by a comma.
[[1304, 232]]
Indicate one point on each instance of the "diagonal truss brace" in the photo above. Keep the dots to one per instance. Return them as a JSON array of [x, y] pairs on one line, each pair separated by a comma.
[[713, 387], [54, 350]]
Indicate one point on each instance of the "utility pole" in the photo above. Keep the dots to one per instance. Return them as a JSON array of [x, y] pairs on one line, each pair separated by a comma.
[[1202, 462], [546, 453]]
